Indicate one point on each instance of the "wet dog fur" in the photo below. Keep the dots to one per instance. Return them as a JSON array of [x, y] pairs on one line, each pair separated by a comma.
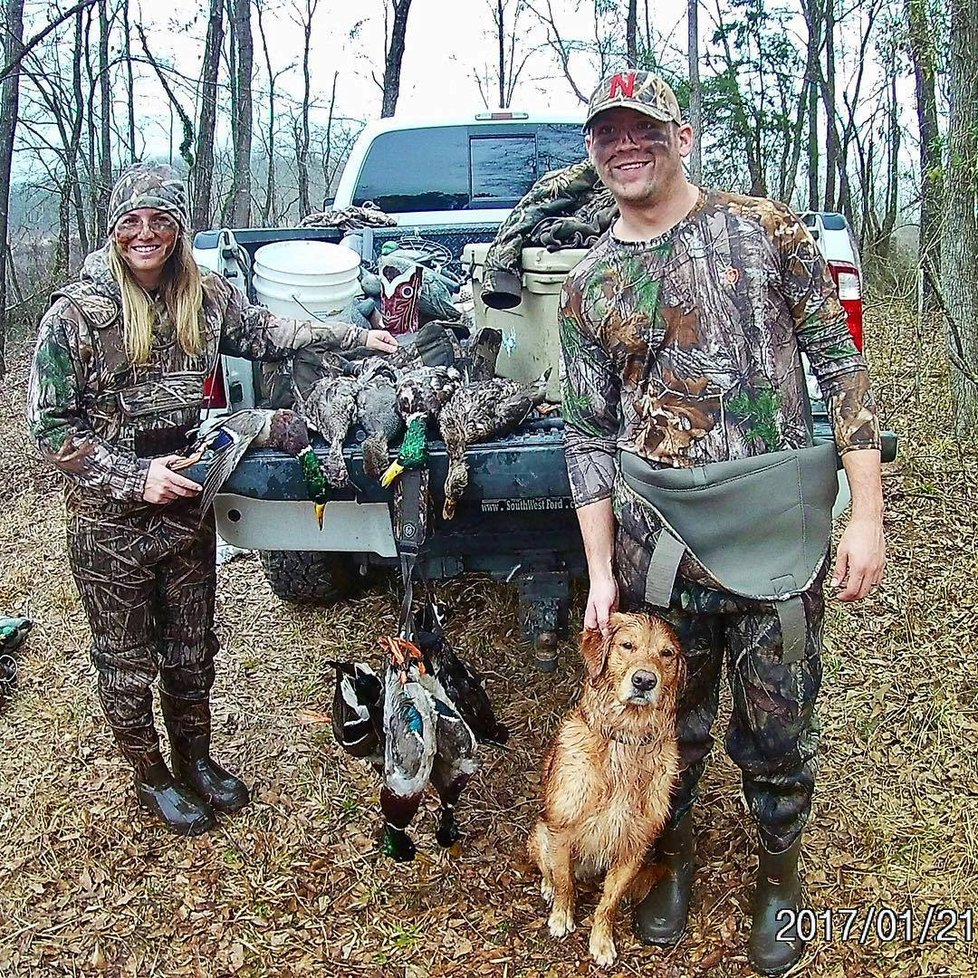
[[609, 772]]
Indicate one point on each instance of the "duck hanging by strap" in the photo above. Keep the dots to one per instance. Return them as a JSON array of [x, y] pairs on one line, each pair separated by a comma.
[[421, 394], [282, 429], [410, 721], [358, 707], [476, 412]]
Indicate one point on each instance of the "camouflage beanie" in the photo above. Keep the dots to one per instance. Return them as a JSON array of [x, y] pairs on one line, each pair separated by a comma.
[[149, 185]]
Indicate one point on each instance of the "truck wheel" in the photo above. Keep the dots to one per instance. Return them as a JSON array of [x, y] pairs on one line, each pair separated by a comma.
[[308, 576]]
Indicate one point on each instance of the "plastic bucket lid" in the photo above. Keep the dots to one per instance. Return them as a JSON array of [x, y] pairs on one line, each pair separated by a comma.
[[307, 263]]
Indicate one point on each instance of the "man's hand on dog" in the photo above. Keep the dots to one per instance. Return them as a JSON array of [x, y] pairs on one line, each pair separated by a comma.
[[602, 600]]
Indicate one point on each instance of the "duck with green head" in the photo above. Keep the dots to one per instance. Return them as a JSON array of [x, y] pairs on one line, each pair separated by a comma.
[[421, 394]]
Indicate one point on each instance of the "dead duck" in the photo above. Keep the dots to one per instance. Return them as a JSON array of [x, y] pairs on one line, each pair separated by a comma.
[[13, 633], [357, 717], [476, 412], [409, 727], [421, 394], [376, 402], [330, 408], [282, 429]]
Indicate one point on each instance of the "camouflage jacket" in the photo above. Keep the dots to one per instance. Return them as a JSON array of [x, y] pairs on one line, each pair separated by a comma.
[[99, 419], [685, 349], [564, 208]]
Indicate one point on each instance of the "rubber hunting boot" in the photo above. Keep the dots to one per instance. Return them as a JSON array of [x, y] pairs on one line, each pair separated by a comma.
[[660, 919], [774, 942]]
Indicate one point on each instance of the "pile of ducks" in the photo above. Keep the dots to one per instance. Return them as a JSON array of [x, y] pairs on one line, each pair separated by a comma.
[[419, 723], [387, 402]]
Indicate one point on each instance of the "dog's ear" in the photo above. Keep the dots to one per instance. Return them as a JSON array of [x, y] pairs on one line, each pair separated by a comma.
[[594, 651]]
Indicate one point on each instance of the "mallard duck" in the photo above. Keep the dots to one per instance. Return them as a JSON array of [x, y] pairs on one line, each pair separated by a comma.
[[282, 429], [454, 762], [463, 685], [358, 706], [478, 411], [376, 400], [409, 752], [13, 633], [329, 408], [421, 394]]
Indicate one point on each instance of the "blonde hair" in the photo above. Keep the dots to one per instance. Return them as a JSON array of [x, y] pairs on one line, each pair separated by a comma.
[[180, 291]]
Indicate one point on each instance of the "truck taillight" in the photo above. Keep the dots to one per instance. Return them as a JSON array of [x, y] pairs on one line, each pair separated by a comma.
[[846, 278], [214, 394]]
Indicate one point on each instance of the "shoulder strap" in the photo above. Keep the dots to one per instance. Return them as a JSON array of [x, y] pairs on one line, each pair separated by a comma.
[[99, 310]]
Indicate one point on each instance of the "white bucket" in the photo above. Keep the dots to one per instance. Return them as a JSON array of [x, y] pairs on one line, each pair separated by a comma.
[[300, 279]]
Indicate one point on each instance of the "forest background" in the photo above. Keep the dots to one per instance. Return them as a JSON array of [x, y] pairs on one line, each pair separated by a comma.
[[866, 107]]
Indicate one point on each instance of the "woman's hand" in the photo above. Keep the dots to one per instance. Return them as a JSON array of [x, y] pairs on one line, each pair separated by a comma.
[[163, 485], [381, 340]]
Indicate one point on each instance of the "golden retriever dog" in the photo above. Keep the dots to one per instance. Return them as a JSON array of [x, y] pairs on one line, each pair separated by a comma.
[[609, 772]]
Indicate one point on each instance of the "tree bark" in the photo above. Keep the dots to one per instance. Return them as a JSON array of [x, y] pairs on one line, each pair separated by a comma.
[[960, 251], [393, 56], [100, 210], [13, 35], [828, 96], [127, 54], [302, 160], [201, 180], [240, 211], [695, 92], [631, 33], [921, 42]]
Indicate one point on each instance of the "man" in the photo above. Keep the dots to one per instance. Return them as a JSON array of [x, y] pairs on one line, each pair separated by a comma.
[[681, 334]]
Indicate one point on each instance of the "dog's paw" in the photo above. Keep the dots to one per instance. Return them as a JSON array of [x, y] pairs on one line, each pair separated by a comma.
[[602, 948], [547, 890], [561, 921]]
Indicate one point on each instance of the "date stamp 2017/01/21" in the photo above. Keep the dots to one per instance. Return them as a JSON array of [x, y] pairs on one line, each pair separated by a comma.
[[939, 925]]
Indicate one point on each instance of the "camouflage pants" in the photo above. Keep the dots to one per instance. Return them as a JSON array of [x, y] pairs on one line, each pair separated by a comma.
[[772, 735], [147, 579]]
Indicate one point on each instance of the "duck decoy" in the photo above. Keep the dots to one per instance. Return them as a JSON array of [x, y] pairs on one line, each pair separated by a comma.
[[478, 411], [421, 393], [13, 633]]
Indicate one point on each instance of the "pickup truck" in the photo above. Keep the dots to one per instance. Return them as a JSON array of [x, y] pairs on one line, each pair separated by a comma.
[[515, 520]]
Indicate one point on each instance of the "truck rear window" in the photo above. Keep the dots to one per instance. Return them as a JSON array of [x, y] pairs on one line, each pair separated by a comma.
[[449, 168]]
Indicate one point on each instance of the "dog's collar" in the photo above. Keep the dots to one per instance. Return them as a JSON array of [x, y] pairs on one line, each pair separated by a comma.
[[620, 738]]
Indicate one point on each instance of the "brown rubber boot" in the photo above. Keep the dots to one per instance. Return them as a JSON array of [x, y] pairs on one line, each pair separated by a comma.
[[775, 945], [660, 919], [188, 724]]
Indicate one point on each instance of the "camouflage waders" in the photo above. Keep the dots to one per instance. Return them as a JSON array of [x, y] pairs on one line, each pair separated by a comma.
[[146, 576], [772, 735]]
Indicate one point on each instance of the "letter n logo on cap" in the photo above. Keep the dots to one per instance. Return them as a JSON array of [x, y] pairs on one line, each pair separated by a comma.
[[625, 84]]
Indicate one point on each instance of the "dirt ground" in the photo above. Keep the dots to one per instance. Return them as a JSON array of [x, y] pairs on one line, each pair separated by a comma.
[[294, 886]]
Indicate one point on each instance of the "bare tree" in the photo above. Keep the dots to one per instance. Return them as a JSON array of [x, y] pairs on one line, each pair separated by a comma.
[[104, 188], [960, 242], [13, 34], [631, 34], [25, 47], [512, 54], [395, 35], [201, 175], [920, 37], [305, 11], [695, 92], [240, 198]]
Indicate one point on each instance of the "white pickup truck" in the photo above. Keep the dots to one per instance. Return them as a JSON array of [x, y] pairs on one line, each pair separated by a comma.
[[452, 182]]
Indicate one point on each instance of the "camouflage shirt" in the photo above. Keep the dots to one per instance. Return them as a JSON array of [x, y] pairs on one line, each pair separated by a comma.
[[96, 416], [685, 349]]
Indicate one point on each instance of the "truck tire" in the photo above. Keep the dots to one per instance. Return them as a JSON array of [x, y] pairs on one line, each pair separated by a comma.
[[308, 576]]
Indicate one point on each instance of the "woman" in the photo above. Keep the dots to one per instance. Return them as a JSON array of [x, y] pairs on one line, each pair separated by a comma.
[[117, 383]]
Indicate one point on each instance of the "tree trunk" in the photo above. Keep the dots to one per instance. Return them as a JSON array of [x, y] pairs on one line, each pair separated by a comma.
[[960, 253], [921, 42], [828, 95], [242, 123], [394, 55], [201, 175], [127, 54], [105, 124], [695, 92], [631, 34], [302, 161], [13, 36]]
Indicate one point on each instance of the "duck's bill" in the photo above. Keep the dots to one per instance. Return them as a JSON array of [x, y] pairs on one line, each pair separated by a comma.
[[394, 471], [320, 513]]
